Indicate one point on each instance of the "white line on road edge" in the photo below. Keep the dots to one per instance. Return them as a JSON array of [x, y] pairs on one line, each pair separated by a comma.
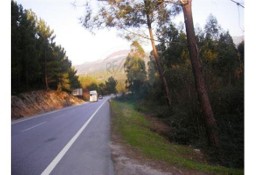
[[33, 126], [56, 160]]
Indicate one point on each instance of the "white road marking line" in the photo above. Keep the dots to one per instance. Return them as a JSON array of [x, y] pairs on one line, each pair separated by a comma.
[[64, 150], [33, 126]]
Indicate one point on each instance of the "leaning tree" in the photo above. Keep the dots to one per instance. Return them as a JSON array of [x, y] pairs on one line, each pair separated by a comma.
[[208, 115], [131, 14]]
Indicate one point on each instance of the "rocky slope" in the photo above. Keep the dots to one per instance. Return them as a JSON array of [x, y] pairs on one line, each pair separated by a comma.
[[36, 102]]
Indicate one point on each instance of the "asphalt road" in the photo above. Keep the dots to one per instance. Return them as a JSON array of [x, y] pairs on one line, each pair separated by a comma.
[[71, 141]]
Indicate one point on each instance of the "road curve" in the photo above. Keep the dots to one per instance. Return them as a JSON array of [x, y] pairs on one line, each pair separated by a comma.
[[72, 141]]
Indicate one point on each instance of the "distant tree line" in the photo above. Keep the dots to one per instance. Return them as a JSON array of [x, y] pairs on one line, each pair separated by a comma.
[[89, 83], [37, 62]]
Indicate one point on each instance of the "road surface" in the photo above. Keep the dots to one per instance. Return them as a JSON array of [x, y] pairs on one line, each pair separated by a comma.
[[71, 141]]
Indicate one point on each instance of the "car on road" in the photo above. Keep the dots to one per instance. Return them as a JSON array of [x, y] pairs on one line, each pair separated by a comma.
[[100, 97]]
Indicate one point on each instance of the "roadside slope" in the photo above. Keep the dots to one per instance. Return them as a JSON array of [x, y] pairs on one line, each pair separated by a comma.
[[137, 148], [36, 102]]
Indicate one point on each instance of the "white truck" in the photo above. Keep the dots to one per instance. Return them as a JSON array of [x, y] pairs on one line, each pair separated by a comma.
[[93, 96], [77, 92]]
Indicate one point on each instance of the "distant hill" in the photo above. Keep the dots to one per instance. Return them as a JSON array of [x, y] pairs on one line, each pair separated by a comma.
[[115, 59], [102, 69], [112, 65]]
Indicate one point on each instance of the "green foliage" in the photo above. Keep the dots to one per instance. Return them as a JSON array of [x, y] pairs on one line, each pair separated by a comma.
[[74, 82], [102, 89], [92, 87], [86, 81], [120, 87], [223, 70], [111, 86], [37, 63], [135, 130], [124, 15], [91, 83], [137, 50], [212, 28], [228, 104], [135, 68]]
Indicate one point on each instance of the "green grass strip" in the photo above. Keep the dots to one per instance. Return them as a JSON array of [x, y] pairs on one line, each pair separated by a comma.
[[134, 129]]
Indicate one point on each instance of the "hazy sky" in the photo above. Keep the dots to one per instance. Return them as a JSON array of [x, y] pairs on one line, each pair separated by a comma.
[[82, 46]]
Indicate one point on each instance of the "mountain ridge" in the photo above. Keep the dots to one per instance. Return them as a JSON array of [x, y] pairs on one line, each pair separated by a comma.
[[110, 63]]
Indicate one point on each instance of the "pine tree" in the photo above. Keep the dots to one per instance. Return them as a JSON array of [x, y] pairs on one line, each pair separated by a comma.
[[135, 68], [37, 62], [124, 15]]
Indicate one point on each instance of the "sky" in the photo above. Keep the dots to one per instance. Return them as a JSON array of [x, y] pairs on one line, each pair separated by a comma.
[[82, 46]]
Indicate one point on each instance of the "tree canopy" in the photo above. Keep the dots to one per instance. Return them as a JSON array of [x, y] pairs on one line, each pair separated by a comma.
[[126, 14], [224, 75], [103, 87], [135, 68], [37, 62], [134, 14]]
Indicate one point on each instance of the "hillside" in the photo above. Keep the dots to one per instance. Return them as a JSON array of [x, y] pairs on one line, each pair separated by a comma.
[[36, 102], [112, 65]]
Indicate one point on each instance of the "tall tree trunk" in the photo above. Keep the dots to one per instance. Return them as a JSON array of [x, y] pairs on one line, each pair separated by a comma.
[[158, 65], [211, 126]]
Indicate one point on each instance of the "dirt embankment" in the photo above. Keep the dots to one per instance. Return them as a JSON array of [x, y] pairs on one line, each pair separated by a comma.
[[36, 102]]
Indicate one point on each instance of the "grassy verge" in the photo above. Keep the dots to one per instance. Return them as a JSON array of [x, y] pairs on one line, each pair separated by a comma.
[[134, 130]]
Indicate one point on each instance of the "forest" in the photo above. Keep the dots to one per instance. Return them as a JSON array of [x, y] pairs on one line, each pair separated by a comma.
[[195, 77], [37, 62], [223, 70]]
